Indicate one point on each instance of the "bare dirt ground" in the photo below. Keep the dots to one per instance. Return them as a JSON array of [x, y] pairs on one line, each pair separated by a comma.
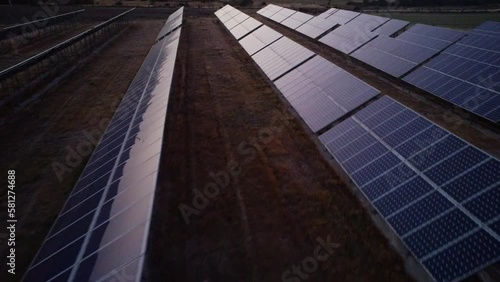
[[481, 134], [46, 133], [284, 196]]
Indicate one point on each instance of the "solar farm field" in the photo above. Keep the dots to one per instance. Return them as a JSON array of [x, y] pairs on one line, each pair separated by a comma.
[[196, 144]]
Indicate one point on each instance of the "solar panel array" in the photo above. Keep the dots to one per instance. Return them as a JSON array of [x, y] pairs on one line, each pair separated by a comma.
[[440, 194], [397, 56], [103, 228], [466, 74], [320, 91], [173, 22]]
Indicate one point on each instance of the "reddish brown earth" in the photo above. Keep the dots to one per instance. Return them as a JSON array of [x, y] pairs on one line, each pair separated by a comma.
[[284, 196]]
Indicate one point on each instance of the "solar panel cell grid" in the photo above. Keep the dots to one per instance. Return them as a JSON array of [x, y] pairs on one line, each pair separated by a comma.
[[282, 15], [296, 20], [259, 39], [245, 28], [424, 209], [281, 56], [322, 92]]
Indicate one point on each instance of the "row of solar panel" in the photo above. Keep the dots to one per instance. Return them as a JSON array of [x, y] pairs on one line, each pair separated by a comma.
[[467, 73], [367, 38], [319, 91], [102, 230], [477, 55], [438, 193]]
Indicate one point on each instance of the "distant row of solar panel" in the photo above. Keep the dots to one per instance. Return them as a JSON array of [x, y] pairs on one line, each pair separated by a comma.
[[320, 91], [357, 28], [103, 228], [467, 73], [438, 193]]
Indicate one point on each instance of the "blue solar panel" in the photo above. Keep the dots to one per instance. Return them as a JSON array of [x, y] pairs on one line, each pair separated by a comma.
[[466, 74], [406, 193], [465, 257], [432, 37], [104, 224], [435, 190], [439, 232], [488, 28]]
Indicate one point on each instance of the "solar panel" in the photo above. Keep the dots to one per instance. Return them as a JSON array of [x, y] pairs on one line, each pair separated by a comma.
[[321, 92], [342, 17], [222, 11], [347, 39], [488, 28], [296, 20], [391, 27], [269, 10], [393, 56], [103, 227], [280, 57], [316, 26], [367, 23], [281, 15], [258, 39], [433, 37], [327, 13], [173, 22], [245, 28], [438, 193], [466, 74]]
